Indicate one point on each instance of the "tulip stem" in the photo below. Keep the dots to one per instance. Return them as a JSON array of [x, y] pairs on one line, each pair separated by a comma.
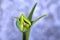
[[26, 35]]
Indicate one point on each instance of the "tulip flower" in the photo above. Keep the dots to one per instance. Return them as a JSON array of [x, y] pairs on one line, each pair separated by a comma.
[[24, 23]]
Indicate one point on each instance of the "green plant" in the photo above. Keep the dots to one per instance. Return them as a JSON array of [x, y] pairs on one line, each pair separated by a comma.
[[24, 24]]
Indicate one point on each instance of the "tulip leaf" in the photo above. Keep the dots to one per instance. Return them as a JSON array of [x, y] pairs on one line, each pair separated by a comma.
[[38, 18], [31, 13]]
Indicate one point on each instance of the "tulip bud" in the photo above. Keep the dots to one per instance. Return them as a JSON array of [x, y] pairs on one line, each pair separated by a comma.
[[23, 23]]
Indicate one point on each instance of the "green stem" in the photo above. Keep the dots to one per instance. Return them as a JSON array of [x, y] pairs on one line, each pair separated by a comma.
[[27, 34], [24, 36]]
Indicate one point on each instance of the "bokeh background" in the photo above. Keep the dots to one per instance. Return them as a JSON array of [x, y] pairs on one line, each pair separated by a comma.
[[47, 28]]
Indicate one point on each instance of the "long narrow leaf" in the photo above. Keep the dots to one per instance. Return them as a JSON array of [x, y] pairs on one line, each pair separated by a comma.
[[31, 13], [38, 19]]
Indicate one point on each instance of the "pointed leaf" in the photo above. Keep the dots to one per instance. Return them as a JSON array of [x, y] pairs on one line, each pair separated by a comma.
[[31, 13], [16, 17], [38, 19]]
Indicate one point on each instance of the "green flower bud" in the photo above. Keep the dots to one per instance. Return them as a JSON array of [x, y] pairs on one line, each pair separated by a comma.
[[23, 23]]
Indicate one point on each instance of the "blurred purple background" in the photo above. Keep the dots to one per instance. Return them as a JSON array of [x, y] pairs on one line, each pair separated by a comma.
[[47, 28]]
